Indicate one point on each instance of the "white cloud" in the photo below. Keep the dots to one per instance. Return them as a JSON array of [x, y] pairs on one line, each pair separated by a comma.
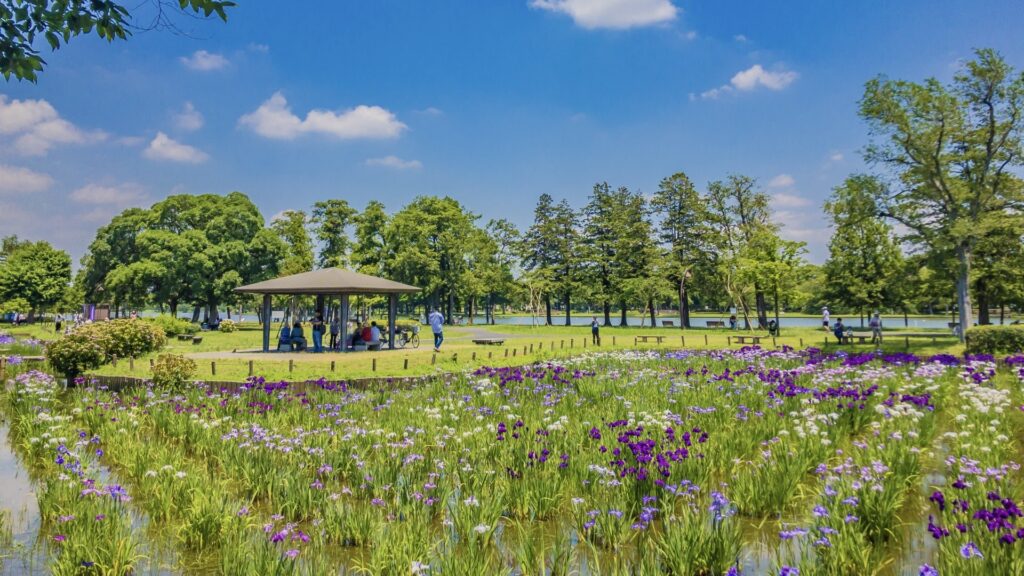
[[189, 119], [592, 14], [395, 162], [690, 35], [740, 38], [274, 119], [16, 180], [119, 195], [204, 61], [36, 127], [836, 157], [756, 75], [164, 148], [750, 79], [257, 47], [781, 181], [431, 111], [714, 93], [784, 200]]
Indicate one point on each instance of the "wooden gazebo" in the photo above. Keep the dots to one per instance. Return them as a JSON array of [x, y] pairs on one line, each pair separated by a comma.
[[329, 282]]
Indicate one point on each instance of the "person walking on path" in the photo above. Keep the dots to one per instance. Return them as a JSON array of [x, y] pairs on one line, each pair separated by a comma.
[[436, 321], [58, 321], [825, 318], [876, 328], [595, 332], [318, 333]]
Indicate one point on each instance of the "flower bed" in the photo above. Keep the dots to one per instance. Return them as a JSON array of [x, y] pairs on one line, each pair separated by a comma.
[[746, 461]]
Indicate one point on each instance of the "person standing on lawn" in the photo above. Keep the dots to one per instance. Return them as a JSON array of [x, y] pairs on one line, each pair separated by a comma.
[[335, 329], [876, 329], [595, 332], [436, 321], [318, 333]]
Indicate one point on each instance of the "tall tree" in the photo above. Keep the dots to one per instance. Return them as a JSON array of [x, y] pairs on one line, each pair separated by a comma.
[[952, 152], [683, 230], [540, 251], [565, 251], [332, 219], [368, 254], [740, 216], [864, 264], [56, 21], [290, 227], [36, 272]]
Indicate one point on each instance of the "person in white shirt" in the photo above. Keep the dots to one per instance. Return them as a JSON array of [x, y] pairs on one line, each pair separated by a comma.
[[374, 334], [825, 318], [436, 321]]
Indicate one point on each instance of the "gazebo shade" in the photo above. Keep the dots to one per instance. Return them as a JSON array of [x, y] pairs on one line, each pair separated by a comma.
[[328, 281]]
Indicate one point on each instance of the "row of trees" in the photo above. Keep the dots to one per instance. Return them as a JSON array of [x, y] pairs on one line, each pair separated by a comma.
[[33, 276]]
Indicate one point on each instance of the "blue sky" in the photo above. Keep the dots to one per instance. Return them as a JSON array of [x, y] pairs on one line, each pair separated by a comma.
[[490, 102]]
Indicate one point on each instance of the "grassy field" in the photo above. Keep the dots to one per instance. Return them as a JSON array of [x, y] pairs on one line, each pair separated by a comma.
[[232, 356]]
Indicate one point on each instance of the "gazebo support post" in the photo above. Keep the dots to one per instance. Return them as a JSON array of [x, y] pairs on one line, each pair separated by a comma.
[[344, 322], [320, 306], [266, 322], [392, 316]]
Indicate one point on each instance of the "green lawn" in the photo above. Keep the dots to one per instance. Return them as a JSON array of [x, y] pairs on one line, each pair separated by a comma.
[[217, 359]]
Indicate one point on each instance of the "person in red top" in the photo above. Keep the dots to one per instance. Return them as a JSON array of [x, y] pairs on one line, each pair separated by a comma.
[[367, 333]]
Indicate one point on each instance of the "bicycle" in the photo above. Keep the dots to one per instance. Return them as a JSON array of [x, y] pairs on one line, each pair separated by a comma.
[[408, 337]]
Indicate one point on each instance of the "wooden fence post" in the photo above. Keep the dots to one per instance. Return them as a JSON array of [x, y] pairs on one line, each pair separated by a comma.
[[213, 368], [801, 342], [131, 364], [332, 365], [113, 361], [705, 339], [433, 359], [613, 340], [531, 348], [513, 352], [405, 364], [374, 364], [728, 340], [151, 363], [572, 342], [473, 357], [489, 353], [683, 340], [774, 345], [291, 365]]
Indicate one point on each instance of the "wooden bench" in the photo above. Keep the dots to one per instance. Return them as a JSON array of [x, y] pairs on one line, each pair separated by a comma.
[[197, 340], [668, 323], [646, 339], [184, 337], [716, 324], [489, 341], [747, 339]]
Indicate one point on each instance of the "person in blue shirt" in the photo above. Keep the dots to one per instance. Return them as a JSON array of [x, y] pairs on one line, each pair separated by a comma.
[[595, 332], [436, 321], [839, 330]]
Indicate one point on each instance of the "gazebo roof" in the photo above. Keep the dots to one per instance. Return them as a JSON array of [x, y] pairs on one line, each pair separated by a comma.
[[328, 281]]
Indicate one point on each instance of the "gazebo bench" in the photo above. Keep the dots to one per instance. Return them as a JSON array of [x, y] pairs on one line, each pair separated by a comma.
[[489, 341]]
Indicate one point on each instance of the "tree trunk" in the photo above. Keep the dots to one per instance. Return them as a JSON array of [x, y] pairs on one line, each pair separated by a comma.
[[650, 304], [906, 319], [472, 309], [547, 310], [622, 320], [568, 309], [195, 314], [776, 295], [173, 306], [1002, 313], [963, 292], [684, 304], [607, 313], [762, 307], [982, 290]]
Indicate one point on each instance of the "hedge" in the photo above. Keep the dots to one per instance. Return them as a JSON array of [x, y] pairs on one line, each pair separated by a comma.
[[91, 345], [995, 339]]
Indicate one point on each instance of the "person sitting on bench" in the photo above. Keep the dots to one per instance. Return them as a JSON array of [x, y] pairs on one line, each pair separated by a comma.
[[373, 342], [285, 338], [773, 328], [839, 330], [298, 337]]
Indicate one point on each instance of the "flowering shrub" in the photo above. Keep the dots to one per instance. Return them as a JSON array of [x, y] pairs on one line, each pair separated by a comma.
[[75, 353], [994, 339], [228, 326], [173, 370], [173, 326], [91, 345]]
